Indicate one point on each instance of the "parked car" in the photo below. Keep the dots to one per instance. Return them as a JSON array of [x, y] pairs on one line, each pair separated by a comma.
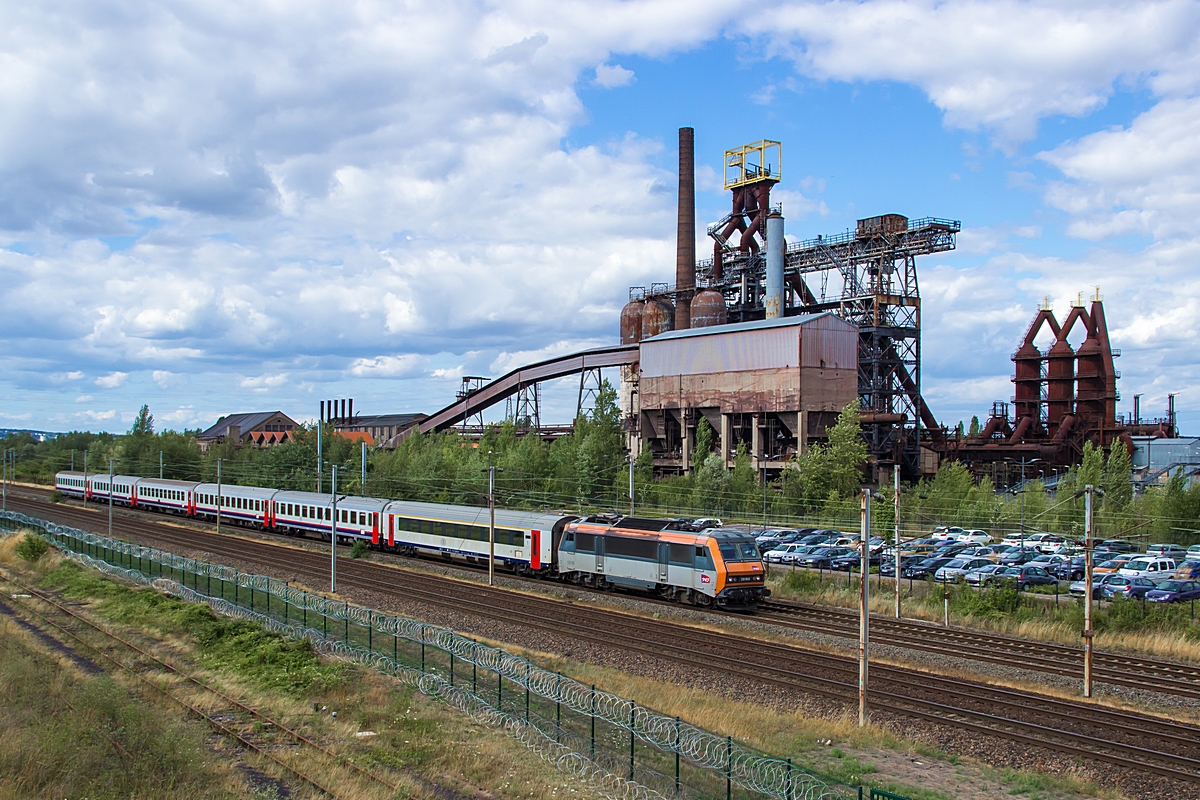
[[952, 549], [1193, 552], [1027, 575], [981, 576], [1121, 586], [1070, 570], [953, 571], [1113, 564], [1174, 551], [887, 567], [820, 557], [1018, 556], [990, 552], [1173, 591], [975, 537], [1187, 571], [925, 567], [943, 532], [817, 537], [1078, 588], [1048, 561], [852, 560], [1120, 546], [1156, 568], [773, 535], [785, 553]]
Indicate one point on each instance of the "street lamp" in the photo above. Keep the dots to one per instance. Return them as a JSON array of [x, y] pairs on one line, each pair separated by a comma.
[[1024, 463]]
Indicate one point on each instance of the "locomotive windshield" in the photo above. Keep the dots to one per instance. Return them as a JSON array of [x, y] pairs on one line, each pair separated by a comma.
[[737, 550]]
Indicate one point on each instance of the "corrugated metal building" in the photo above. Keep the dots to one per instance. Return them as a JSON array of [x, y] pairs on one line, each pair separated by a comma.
[[773, 385]]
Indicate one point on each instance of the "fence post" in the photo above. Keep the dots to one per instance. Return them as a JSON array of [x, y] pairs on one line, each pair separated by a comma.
[[728, 767], [677, 756], [558, 707], [593, 712], [499, 690], [370, 634], [632, 709], [451, 668], [788, 790], [527, 690], [395, 648], [474, 658], [346, 619], [422, 649]]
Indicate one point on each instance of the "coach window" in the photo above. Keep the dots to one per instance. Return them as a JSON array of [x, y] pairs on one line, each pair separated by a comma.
[[704, 558], [680, 554]]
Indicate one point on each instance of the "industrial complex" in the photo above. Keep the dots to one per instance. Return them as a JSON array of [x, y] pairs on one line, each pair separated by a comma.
[[767, 340]]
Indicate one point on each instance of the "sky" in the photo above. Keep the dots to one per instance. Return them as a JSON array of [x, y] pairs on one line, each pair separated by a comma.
[[223, 207]]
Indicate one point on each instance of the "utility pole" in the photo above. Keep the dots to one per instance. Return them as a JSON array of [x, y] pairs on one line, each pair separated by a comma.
[[86, 489], [333, 537], [864, 610], [110, 496], [218, 495], [632, 462], [896, 500], [363, 484], [160, 465], [320, 463], [1089, 493], [6, 479], [491, 471], [72, 461]]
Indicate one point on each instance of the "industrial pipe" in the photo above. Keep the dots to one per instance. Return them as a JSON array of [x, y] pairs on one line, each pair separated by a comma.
[[773, 301]]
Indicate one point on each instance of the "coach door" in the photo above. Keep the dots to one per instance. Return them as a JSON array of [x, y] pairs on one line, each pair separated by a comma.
[[664, 551], [599, 554]]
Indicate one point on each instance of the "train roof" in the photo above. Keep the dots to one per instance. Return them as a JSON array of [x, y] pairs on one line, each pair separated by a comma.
[[229, 489], [472, 515], [168, 482]]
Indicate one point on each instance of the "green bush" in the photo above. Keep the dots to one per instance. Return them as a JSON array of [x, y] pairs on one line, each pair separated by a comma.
[[802, 581], [56, 496], [32, 547], [359, 549]]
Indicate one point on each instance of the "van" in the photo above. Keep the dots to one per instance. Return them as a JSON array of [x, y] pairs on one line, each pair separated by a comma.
[[1169, 550], [1156, 568]]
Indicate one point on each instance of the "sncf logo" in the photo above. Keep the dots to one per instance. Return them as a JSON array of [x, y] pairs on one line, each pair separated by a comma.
[[705, 579]]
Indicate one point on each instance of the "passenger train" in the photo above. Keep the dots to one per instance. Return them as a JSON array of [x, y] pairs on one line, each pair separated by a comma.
[[673, 559]]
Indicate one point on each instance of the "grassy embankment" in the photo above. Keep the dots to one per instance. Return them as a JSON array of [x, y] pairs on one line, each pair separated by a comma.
[[1165, 631]]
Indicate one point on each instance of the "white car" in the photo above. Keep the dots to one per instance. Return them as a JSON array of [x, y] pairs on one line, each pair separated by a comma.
[[957, 568], [975, 537], [947, 533], [785, 554], [1156, 568]]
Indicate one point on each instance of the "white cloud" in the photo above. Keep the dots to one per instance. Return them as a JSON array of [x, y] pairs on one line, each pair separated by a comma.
[[612, 76], [264, 383], [389, 366], [84, 398], [97, 416], [999, 65], [165, 379], [1143, 178], [17, 417], [112, 380]]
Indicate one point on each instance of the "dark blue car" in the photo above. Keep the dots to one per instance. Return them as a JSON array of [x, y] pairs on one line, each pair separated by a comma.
[[1174, 592]]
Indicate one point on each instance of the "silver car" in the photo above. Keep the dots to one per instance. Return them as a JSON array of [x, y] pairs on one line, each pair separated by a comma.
[[956, 569]]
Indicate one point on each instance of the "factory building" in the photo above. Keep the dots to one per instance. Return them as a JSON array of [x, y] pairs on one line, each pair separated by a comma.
[[771, 386]]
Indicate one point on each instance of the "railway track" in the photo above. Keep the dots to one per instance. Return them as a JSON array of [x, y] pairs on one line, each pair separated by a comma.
[[1150, 747], [1139, 672]]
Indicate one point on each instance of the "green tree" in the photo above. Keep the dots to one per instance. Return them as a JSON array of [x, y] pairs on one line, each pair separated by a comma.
[[975, 427], [704, 443], [1118, 489]]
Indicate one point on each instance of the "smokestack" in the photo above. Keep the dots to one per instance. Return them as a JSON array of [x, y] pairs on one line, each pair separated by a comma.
[[1137, 409], [343, 415], [350, 418], [685, 242], [321, 417], [773, 302]]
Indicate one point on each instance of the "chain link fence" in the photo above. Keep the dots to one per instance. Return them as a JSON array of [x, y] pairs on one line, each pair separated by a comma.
[[621, 749]]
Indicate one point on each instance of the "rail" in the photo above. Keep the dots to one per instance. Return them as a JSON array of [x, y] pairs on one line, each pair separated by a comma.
[[593, 735]]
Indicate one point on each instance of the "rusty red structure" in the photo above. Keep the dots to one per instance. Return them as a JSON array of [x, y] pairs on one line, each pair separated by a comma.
[[1063, 398]]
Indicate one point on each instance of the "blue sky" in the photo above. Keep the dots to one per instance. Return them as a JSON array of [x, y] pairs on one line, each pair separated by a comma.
[[221, 207]]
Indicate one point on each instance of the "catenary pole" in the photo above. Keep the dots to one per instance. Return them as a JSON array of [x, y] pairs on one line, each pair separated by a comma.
[[631, 465], [362, 488], [110, 496], [333, 537], [218, 495], [6, 479], [160, 465], [491, 520], [320, 463], [896, 501], [864, 609], [1088, 543]]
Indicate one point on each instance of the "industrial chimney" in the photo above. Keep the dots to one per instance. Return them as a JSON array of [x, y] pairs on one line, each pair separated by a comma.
[[685, 244]]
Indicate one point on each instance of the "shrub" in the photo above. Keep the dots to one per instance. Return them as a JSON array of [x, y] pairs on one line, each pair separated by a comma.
[[802, 581], [359, 549], [32, 547], [56, 496]]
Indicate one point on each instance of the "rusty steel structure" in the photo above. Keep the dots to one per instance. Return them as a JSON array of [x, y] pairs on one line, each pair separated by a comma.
[[867, 276], [1063, 398]]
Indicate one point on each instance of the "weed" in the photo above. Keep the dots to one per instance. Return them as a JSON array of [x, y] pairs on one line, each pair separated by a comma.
[[56, 496], [32, 547], [359, 549], [236, 646]]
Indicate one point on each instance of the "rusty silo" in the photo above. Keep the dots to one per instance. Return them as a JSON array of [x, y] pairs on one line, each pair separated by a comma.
[[631, 322], [658, 316], [708, 309]]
